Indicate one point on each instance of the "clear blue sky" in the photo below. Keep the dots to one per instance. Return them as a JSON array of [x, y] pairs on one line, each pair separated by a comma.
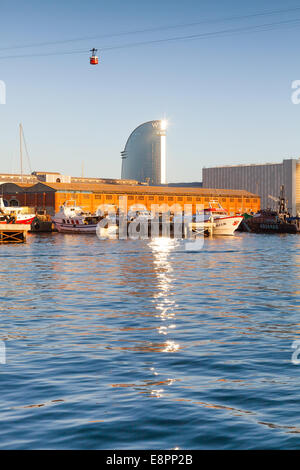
[[227, 98]]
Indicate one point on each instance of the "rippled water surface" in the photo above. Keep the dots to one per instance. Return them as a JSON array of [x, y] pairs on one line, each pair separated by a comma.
[[144, 345]]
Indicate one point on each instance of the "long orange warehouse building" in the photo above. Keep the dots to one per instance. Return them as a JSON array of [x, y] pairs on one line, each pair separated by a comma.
[[50, 196]]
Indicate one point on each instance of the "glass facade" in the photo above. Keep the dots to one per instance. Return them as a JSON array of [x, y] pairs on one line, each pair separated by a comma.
[[144, 156]]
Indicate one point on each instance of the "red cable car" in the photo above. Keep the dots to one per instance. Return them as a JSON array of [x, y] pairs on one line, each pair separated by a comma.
[[94, 58]]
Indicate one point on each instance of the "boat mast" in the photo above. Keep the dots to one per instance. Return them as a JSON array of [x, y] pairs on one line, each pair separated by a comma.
[[21, 153]]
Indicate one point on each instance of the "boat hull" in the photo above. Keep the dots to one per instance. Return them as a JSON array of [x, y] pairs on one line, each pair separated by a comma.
[[21, 221], [271, 227], [73, 228], [225, 225]]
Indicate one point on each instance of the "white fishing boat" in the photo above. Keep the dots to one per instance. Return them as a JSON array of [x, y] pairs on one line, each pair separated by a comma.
[[73, 219], [223, 223], [14, 214]]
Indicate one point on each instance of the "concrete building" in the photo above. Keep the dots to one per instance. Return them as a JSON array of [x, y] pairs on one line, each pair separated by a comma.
[[51, 177], [144, 156], [56, 177], [17, 178], [262, 179], [50, 196]]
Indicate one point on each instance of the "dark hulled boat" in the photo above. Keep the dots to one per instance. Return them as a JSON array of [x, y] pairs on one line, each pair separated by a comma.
[[270, 221], [267, 221]]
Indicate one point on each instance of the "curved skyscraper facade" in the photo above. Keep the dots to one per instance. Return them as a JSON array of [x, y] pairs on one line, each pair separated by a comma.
[[144, 156]]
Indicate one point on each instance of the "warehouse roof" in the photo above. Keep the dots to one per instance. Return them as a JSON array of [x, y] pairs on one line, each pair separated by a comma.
[[11, 187], [138, 189]]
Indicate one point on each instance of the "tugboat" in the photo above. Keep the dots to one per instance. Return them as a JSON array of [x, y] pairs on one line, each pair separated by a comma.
[[270, 221]]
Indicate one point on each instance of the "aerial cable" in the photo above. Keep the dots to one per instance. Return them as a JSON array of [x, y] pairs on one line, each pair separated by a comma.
[[149, 30], [212, 34]]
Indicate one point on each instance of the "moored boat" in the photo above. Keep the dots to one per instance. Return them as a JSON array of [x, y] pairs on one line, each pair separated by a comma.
[[268, 221], [224, 223], [72, 219], [273, 221], [14, 215]]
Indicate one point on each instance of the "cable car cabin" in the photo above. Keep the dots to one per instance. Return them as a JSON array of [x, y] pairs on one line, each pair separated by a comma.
[[94, 59]]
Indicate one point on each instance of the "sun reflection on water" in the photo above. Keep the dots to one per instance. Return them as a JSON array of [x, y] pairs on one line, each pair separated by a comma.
[[163, 298]]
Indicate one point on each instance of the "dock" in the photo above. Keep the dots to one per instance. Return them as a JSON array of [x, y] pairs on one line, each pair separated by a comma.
[[13, 233], [202, 228]]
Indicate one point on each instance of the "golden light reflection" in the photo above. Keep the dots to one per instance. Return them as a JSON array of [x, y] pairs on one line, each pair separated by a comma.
[[163, 244], [164, 303], [163, 299], [157, 393], [153, 370], [171, 346]]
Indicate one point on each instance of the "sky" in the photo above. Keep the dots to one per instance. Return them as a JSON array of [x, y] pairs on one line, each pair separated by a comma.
[[227, 98]]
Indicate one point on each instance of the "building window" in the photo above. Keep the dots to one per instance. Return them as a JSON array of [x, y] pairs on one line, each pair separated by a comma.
[[161, 198], [108, 197], [170, 198], [130, 198], [13, 203], [189, 199], [151, 198], [223, 199], [141, 198], [179, 198], [98, 196], [5, 202]]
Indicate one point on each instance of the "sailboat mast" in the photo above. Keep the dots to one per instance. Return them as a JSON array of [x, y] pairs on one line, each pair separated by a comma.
[[21, 153]]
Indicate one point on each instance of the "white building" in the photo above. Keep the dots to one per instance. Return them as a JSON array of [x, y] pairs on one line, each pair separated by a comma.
[[262, 179]]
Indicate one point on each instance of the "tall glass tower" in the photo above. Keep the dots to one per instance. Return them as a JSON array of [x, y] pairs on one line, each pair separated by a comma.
[[144, 156]]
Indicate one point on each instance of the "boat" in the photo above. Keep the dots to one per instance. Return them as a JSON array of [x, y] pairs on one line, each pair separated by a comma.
[[223, 223], [73, 219], [139, 215], [14, 215], [269, 221], [295, 221], [273, 221]]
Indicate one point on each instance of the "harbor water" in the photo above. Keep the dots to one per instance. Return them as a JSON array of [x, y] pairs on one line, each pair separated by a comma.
[[123, 344]]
